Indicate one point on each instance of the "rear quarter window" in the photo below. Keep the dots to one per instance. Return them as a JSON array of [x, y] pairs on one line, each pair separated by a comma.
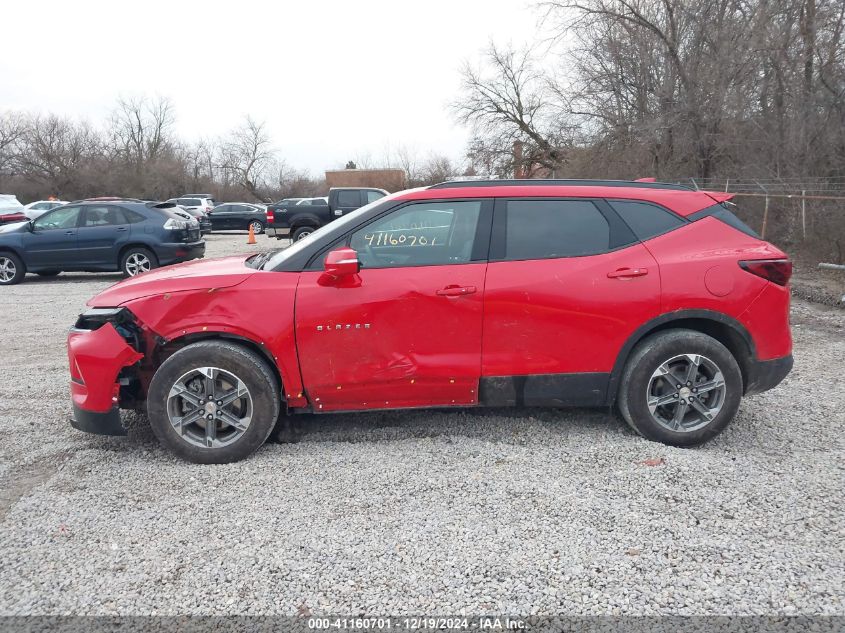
[[721, 212], [645, 219]]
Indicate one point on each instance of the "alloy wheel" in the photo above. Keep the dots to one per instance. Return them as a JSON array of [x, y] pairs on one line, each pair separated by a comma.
[[303, 235], [137, 263], [686, 393], [257, 227], [209, 407], [8, 270]]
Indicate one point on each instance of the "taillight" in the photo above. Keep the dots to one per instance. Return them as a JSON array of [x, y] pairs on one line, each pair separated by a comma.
[[777, 271], [270, 216]]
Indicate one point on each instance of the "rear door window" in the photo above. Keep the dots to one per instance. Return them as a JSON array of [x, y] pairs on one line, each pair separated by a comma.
[[349, 199], [541, 229], [645, 219], [372, 196]]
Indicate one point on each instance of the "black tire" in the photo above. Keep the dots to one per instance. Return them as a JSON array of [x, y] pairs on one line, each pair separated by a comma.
[[252, 370], [648, 357], [302, 232], [48, 273], [133, 255], [12, 269], [257, 227]]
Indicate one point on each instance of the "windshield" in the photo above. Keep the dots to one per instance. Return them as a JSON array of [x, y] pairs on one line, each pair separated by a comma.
[[330, 231]]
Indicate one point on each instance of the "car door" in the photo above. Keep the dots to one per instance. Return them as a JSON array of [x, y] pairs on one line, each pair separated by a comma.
[[221, 217], [52, 241], [102, 231], [347, 201], [406, 330], [242, 215], [566, 286]]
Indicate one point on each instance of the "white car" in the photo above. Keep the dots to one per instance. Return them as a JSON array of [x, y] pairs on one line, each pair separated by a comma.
[[40, 207], [204, 204]]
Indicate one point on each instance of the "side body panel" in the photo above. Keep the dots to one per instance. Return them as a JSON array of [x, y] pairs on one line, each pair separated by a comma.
[[699, 269], [385, 339], [564, 316], [260, 309]]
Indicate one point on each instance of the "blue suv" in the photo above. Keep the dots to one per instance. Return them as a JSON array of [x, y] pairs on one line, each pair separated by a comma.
[[99, 235]]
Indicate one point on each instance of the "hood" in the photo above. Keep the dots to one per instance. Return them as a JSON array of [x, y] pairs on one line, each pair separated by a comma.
[[14, 227], [200, 274]]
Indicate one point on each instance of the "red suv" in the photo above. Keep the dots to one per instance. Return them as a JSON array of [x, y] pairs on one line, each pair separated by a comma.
[[649, 296]]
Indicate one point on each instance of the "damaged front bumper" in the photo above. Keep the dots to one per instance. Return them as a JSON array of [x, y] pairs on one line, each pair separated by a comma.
[[97, 353]]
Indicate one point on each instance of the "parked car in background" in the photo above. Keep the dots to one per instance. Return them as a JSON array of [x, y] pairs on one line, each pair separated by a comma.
[[651, 297], [203, 204], [238, 215], [200, 216], [91, 236], [204, 196], [11, 210], [297, 221], [40, 207]]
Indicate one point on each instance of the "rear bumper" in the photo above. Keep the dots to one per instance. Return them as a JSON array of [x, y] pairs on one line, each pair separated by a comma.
[[277, 232], [171, 253], [107, 423], [767, 374]]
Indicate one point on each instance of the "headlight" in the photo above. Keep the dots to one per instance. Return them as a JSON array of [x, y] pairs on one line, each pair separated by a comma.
[[174, 225]]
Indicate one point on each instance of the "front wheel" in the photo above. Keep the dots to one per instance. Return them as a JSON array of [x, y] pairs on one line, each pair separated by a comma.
[[680, 387], [137, 260], [213, 402], [257, 227], [12, 269], [302, 232]]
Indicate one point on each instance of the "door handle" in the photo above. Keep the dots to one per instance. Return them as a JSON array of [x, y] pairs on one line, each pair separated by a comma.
[[122, 228], [70, 232], [625, 273], [456, 291]]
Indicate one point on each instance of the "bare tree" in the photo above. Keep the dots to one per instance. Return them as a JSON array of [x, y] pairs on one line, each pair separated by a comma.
[[12, 129], [247, 156], [142, 128], [510, 101]]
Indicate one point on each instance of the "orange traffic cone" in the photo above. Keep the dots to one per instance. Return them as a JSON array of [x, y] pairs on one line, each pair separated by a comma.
[[251, 239]]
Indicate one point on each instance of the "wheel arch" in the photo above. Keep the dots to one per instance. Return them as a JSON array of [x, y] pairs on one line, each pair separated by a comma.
[[125, 247], [14, 251], [166, 349], [725, 329], [304, 219]]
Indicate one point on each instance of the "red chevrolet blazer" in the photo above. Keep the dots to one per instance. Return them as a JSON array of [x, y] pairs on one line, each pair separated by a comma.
[[648, 296]]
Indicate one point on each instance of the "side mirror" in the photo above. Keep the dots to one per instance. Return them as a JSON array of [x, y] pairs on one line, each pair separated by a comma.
[[342, 261], [31, 226]]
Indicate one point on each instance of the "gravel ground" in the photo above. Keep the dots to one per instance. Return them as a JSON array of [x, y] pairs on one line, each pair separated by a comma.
[[523, 512]]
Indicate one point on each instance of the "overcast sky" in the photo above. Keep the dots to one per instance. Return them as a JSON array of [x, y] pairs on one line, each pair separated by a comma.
[[332, 79]]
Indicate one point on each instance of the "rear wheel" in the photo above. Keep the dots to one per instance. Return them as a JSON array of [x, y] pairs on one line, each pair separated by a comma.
[[680, 387], [213, 402], [137, 260], [257, 227], [302, 232], [12, 269]]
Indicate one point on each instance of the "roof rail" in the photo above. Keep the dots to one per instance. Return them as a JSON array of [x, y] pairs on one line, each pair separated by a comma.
[[528, 182]]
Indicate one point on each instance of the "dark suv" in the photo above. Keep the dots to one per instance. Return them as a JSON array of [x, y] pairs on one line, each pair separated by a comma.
[[129, 236]]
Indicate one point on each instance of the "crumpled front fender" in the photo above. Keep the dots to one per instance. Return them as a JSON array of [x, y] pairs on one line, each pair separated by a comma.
[[96, 358]]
